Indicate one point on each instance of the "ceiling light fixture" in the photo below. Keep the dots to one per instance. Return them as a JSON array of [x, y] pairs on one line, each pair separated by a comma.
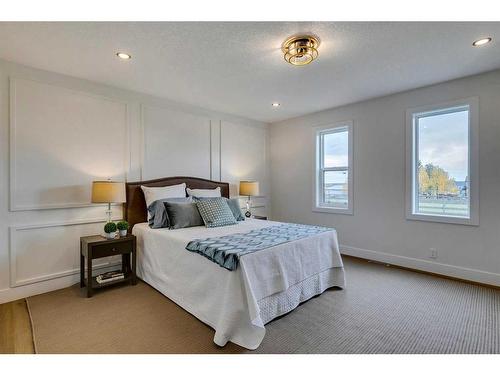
[[300, 49], [123, 55], [276, 104], [481, 42]]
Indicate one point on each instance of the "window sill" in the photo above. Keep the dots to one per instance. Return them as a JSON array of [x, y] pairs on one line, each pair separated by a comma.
[[443, 219], [331, 210]]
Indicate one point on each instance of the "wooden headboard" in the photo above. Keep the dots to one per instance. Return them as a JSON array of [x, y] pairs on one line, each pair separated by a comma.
[[135, 206]]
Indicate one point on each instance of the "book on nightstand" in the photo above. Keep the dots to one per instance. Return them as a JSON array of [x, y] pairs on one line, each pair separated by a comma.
[[109, 276]]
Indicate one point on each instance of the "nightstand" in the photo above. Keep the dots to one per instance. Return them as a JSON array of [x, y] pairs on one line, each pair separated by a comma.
[[93, 247], [259, 217]]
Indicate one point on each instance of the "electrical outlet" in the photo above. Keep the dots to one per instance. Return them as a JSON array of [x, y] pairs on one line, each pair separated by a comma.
[[433, 253]]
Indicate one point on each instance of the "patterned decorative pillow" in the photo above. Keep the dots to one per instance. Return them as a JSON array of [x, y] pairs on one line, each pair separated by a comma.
[[215, 212], [234, 205]]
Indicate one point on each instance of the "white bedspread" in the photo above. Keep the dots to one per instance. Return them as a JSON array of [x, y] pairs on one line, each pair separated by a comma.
[[228, 300]]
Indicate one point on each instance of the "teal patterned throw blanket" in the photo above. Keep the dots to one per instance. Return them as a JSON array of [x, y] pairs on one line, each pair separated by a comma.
[[227, 250]]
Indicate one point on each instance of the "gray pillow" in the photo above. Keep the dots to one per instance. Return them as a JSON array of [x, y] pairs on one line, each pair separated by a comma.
[[183, 215], [234, 205], [215, 212], [158, 217]]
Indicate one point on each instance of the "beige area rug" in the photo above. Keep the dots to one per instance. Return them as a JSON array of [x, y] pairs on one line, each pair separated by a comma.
[[382, 310]]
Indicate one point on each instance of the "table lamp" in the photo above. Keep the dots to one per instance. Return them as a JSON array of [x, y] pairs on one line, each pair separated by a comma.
[[250, 189], [108, 192]]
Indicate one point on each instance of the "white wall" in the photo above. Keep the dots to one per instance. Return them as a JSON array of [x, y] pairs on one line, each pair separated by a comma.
[[378, 229], [242, 155], [58, 133]]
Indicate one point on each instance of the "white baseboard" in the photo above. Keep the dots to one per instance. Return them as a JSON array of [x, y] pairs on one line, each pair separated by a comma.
[[12, 294], [470, 274], [490, 278]]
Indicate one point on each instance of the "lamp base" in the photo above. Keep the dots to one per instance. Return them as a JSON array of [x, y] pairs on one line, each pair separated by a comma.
[[108, 212], [248, 213]]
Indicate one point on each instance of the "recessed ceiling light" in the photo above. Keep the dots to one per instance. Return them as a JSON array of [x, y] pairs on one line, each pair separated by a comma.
[[276, 104], [481, 42], [123, 55]]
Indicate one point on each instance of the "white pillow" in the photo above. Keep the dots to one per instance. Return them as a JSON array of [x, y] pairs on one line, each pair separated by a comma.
[[204, 193], [154, 193]]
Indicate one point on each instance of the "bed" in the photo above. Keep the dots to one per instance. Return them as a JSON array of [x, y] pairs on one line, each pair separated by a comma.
[[236, 304]]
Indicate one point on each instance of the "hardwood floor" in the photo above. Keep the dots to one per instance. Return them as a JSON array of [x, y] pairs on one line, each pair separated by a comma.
[[15, 328]]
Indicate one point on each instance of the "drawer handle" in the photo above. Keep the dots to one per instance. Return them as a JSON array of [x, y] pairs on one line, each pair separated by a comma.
[[113, 249]]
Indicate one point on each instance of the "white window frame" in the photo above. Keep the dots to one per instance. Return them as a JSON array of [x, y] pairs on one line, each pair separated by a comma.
[[318, 168], [411, 162]]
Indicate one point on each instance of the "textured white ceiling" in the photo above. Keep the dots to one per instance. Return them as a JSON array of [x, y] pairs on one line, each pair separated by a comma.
[[238, 68]]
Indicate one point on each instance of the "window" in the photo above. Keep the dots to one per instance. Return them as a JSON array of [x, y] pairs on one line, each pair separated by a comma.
[[333, 171], [442, 163]]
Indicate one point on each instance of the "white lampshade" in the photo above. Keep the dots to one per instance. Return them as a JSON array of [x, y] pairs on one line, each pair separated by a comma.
[[108, 192], [249, 188]]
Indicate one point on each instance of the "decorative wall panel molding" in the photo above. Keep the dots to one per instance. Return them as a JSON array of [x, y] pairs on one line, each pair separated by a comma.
[[47, 251], [61, 140], [175, 143], [215, 162]]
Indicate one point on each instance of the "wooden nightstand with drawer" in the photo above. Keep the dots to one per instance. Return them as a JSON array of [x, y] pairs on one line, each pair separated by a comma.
[[93, 247]]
